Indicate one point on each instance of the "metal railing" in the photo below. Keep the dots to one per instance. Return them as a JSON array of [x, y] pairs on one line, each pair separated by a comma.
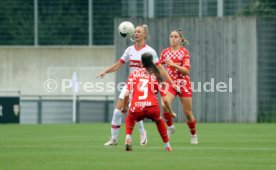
[[59, 109]]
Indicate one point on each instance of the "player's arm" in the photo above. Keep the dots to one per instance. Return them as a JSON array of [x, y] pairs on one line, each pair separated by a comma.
[[125, 102], [129, 87], [111, 69], [179, 68], [165, 75]]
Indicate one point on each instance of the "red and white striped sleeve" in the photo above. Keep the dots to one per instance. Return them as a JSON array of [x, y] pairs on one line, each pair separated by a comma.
[[125, 56], [155, 58]]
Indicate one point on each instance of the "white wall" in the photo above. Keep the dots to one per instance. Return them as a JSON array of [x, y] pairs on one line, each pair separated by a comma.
[[27, 68]]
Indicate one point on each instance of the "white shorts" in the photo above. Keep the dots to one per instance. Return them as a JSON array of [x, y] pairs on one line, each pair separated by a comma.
[[122, 94]]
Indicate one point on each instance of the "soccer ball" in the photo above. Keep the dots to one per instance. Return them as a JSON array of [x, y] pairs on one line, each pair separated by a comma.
[[126, 29]]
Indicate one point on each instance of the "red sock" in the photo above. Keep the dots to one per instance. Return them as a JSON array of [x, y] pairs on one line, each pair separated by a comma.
[[192, 126], [129, 125], [161, 126], [168, 118]]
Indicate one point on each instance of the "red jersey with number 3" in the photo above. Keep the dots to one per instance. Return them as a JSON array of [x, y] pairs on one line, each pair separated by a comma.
[[144, 88]]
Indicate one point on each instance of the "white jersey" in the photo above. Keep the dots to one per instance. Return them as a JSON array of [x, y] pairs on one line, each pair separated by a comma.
[[133, 56]]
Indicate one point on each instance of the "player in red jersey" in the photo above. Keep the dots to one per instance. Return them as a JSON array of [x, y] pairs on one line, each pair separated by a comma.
[[132, 55], [143, 84], [177, 61]]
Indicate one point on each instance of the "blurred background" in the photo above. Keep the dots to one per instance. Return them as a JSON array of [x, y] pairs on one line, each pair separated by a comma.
[[52, 39]]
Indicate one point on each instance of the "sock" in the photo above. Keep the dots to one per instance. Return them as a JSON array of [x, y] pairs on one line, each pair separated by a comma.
[[115, 131], [192, 126], [172, 126], [129, 125], [167, 144], [141, 126], [168, 118], [128, 137], [116, 123], [117, 117], [161, 126]]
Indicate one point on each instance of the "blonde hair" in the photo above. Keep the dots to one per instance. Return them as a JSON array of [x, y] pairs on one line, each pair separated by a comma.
[[184, 41], [146, 29]]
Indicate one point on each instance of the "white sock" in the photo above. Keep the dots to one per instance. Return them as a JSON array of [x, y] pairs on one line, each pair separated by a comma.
[[172, 126], [116, 123], [114, 133], [141, 126], [167, 144], [128, 137]]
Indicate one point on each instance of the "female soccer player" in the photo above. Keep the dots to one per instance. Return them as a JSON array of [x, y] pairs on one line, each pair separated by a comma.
[[144, 85], [132, 55], [177, 61]]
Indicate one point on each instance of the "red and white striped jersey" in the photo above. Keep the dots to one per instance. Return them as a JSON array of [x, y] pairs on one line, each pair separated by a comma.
[[144, 88], [133, 56]]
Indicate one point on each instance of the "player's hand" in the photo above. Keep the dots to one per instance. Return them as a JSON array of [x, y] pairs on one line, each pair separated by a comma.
[[176, 87], [124, 110], [101, 75], [173, 115]]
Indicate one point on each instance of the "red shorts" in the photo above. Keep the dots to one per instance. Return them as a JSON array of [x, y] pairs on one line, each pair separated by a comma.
[[185, 88], [152, 112]]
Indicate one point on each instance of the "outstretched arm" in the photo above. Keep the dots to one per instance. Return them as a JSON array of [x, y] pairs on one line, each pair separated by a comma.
[[111, 69]]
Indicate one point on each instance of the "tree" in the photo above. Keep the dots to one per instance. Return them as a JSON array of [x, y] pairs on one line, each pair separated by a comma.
[[63, 22], [258, 8], [16, 18]]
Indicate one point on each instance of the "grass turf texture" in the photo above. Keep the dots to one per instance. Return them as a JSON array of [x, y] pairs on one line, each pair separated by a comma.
[[80, 146]]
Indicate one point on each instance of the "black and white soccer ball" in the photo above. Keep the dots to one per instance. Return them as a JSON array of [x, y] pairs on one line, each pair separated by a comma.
[[126, 29]]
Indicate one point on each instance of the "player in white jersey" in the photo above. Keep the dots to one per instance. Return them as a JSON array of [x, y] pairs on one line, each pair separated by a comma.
[[132, 55]]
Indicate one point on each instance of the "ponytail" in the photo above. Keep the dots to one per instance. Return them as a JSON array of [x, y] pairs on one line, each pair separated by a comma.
[[184, 41], [150, 67]]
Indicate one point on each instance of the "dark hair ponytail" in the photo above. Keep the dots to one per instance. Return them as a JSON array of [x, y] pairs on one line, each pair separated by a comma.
[[147, 61]]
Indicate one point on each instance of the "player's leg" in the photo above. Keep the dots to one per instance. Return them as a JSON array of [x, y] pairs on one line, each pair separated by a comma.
[[154, 114], [168, 118], [143, 133], [161, 126], [116, 120], [130, 122], [115, 124], [191, 121]]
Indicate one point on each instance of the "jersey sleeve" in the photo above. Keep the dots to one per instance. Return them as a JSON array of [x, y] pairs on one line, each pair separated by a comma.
[[125, 56], [186, 60], [155, 58], [162, 58]]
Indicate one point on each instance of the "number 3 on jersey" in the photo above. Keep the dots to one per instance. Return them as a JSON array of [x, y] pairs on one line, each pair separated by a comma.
[[143, 88]]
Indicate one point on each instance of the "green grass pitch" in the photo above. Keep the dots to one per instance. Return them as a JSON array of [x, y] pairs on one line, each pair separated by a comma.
[[80, 146]]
